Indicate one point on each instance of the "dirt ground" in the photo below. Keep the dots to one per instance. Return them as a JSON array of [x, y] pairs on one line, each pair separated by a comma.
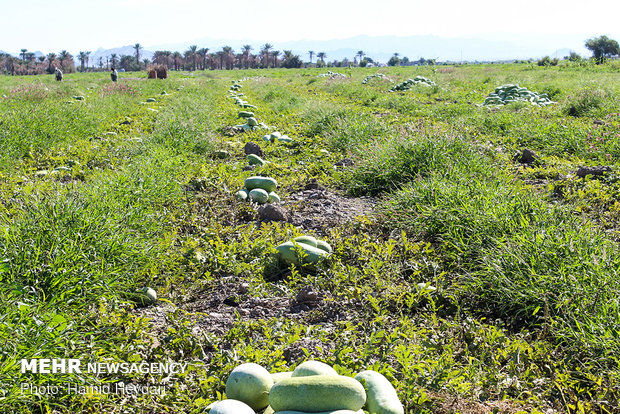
[[317, 208], [449, 404], [216, 309]]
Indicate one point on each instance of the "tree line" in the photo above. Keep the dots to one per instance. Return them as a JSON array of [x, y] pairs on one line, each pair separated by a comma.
[[28, 64], [195, 58]]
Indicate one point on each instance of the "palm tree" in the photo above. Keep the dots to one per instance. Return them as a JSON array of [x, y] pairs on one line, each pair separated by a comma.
[[187, 55], [275, 55], [361, 54], [322, 56], [24, 54], [394, 60], [114, 61], [63, 56], [246, 55], [162, 57], [227, 54], [192, 53], [87, 58], [212, 59], [82, 57], [176, 56], [169, 57], [265, 50], [203, 54], [220, 56], [311, 53], [289, 59], [137, 47], [50, 61]]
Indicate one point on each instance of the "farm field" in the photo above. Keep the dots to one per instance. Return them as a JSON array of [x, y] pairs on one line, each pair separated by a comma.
[[476, 277]]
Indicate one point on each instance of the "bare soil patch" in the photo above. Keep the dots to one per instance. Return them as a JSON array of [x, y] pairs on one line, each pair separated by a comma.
[[319, 209], [450, 404], [217, 307]]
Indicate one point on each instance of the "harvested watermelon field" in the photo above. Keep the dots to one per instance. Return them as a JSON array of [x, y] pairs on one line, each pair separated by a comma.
[[475, 247]]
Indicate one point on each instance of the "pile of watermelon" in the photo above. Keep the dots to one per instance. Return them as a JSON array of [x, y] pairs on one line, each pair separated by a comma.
[[506, 94], [312, 387], [409, 83]]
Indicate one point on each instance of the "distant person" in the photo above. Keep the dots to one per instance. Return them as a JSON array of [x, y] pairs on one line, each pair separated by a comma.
[[114, 75], [58, 74]]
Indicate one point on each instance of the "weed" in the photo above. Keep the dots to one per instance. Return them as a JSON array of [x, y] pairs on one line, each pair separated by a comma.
[[585, 103]]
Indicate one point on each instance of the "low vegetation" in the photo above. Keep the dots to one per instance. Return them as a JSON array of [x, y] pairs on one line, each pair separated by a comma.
[[473, 250]]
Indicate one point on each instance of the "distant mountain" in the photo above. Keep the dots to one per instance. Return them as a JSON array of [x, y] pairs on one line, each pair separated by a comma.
[[560, 53], [104, 54]]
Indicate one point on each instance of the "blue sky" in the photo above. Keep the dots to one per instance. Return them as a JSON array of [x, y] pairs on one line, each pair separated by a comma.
[[74, 25]]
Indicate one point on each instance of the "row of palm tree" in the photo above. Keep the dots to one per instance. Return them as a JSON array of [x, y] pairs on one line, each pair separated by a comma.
[[226, 58], [193, 58], [29, 65]]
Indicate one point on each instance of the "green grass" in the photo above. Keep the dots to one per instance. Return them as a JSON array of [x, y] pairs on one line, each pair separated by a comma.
[[104, 196]]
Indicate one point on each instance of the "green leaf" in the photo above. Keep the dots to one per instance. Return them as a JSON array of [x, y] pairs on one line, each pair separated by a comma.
[[58, 323]]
